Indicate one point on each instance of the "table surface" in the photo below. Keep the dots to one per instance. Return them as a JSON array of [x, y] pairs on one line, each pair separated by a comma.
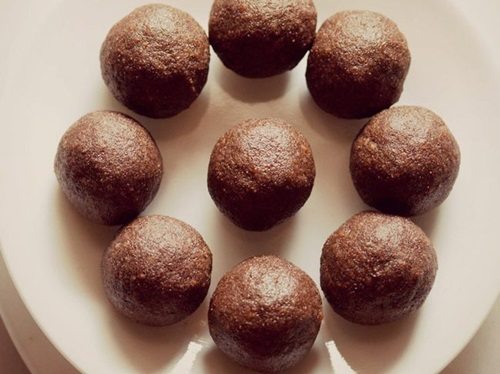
[[480, 356]]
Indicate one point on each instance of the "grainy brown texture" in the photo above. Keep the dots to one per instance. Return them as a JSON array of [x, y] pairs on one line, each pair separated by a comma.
[[108, 166], [261, 38], [157, 270], [377, 268], [155, 60], [358, 64], [265, 314], [261, 172], [404, 161]]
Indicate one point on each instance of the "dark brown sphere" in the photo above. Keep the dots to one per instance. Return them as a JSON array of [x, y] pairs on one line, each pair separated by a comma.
[[265, 314], [377, 268], [155, 60], [358, 64], [109, 167], [404, 161], [258, 39], [260, 173], [157, 270]]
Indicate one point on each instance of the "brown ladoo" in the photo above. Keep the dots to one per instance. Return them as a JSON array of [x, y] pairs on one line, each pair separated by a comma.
[[377, 268], [265, 314], [108, 167], [155, 60], [404, 161], [157, 270], [260, 173], [258, 39], [358, 64]]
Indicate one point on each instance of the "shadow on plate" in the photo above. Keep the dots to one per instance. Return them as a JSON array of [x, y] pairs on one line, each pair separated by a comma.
[[152, 349], [369, 349], [332, 154], [428, 221], [172, 135], [251, 90], [218, 362], [237, 244], [163, 129], [334, 129], [83, 243]]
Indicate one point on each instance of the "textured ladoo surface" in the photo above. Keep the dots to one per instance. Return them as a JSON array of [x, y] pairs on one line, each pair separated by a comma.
[[261, 38], [377, 268], [109, 167], [358, 64], [265, 314], [261, 172], [155, 60], [157, 270], [405, 161]]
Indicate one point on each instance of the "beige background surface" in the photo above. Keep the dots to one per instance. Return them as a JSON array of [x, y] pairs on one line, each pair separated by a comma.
[[480, 355]]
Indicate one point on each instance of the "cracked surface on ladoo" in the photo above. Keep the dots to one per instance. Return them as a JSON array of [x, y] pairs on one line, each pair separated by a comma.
[[108, 166], [377, 268], [358, 64], [261, 172], [155, 60], [261, 38]]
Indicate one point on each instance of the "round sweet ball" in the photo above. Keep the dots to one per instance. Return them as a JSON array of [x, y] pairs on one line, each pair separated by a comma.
[[358, 64], [377, 268], [108, 167], [155, 60], [157, 270], [265, 314], [404, 161], [258, 39], [260, 173]]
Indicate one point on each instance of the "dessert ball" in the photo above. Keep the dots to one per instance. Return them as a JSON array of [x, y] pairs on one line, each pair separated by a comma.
[[157, 270], [404, 161], [265, 314], [259, 39], [155, 60], [108, 166], [358, 64], [260, 173], [377, 268]]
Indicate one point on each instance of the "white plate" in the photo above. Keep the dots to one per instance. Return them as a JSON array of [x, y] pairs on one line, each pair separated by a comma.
[[54, 255]]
